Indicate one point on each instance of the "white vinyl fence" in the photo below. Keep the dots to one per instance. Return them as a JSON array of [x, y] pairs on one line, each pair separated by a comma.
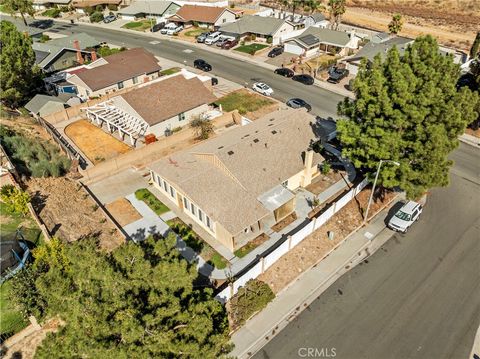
[[267, 261]]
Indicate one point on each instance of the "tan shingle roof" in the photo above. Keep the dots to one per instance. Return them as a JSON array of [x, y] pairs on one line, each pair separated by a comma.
[[206, 14], [121, 66], [167, 98], [226, 175]]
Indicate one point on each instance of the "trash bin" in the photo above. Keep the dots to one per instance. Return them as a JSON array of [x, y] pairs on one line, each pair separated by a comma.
[[71, 21], [214, 81]]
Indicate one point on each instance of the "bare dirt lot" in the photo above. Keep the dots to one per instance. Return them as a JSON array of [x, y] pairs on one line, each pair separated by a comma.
[[97, 145], [123, 211], [69, 213], [317, 245]]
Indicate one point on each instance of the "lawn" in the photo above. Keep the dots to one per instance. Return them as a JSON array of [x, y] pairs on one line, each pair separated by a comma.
[[250, 246], [141, 25], [195, 32], [194, 241], [10, 223], [243, 101], [95, 143], [153, 202], [170, 71], [251, 48], [11, 320], [54, 12]]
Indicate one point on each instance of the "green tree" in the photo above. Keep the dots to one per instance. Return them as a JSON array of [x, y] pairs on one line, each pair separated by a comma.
[[475, 49], [14, 199], [395, 26], [336, 9], [22, 7], [203, 128], [137, 302], [475, 71], [17, 61], [407, 109], [315, 6]]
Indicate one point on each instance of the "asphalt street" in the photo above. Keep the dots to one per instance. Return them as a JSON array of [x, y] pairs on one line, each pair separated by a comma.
[[417, 297], [324, 103]]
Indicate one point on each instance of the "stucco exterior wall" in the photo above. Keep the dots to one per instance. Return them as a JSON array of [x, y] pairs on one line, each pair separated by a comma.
[[226, 17], [159, 129]]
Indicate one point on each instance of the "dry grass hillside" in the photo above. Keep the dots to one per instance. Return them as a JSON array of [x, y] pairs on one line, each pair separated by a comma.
[[453, 22]]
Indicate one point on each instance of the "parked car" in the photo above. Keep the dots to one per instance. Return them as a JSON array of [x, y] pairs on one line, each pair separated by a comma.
[[201, 38], [229, 44], [304, 79], [284, 71], [336, 75], [109, 18], [158, 27], [275, 52], [202, 65], [169, 26], [299, 103], [262, 88], [405, 216], [175, 31], [221, 41], [213, 38]]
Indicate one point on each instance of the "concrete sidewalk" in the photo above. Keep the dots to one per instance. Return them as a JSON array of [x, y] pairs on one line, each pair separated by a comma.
[[291, 301], [470, 140]]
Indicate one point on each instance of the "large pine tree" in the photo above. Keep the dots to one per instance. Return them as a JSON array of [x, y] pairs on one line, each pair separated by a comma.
[[137, 302], [407, 109]]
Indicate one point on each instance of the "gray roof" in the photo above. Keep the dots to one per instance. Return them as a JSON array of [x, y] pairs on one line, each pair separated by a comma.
[[149, 7], [324, 36], [230, 175], [380, 37], [52, 48], [44, 105], [42, 2], [370, 50], [253, 24], [317, 17]]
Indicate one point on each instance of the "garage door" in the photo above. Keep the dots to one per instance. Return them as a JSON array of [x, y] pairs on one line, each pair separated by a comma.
[[293, 48]]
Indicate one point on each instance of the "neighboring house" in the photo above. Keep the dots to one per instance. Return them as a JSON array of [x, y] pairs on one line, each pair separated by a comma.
[[158, 10], [371, 49], [204, 16], [317, 19], [315, 39], [65, 52], [261, 27], [239, 184], [46, 4], [80, 5], [380, 37], [43, 105], [154, 108], [115, 72]]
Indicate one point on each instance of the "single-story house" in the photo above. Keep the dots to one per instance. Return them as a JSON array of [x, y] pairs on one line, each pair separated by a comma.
[[371, 49], [261, 27], [80, 5], [154, 108], [204, 16], [316, 19], [65, 52], [239, 184], [46, 4], [158, 10], [115, 72], [315, 39], [379, 37], [43, 105]]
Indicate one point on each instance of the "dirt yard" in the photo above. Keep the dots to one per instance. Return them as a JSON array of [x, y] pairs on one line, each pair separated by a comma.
[[317, 245], [96, 144], [322, 182], [471, 132], [69, 213], [123, 211]]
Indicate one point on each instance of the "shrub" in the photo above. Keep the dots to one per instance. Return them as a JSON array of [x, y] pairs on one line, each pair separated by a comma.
[[64, 9], [325, 169], [248, 38], [112, 7], [269, 40], [195, 23], [203, 128], [242, 42], [14, 199], [99, 8], [251, 298], [89, 10], [54, 12], [96, 17], [232, 5], [253, 37], [44, 38]]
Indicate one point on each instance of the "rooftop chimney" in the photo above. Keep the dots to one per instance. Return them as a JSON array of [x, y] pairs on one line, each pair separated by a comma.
[[94, 55], [76, 45]]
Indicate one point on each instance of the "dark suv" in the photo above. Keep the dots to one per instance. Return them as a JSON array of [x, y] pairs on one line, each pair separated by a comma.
[[158, 27], [284, 72], [229, 44], [336, 75], [202, 65], [275, 52], [304, 79]]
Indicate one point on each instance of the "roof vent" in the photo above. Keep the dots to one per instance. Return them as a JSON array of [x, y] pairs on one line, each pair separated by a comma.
[[220, 147], [272, 119], [230, 153], [246, 135], [270, 124], [274, 132], [256, 140]]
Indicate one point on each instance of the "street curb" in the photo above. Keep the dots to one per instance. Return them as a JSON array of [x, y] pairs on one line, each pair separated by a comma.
[[374, 244], [470, 140]]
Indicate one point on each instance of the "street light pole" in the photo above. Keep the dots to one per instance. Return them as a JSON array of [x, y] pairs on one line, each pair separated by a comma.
[[373, 188]]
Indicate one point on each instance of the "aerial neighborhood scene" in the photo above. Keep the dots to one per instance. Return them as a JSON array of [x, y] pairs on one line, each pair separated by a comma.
[[267, 179]]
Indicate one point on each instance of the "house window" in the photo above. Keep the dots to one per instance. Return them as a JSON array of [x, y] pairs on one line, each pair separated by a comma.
[[165, 186], [246, 230], [209, 224], [172, 192], [224, 21], [135, 80], [120, 85], [193, 208], [185, 203], [159, 181], [181, 116], [200, 215], [285, 183]]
